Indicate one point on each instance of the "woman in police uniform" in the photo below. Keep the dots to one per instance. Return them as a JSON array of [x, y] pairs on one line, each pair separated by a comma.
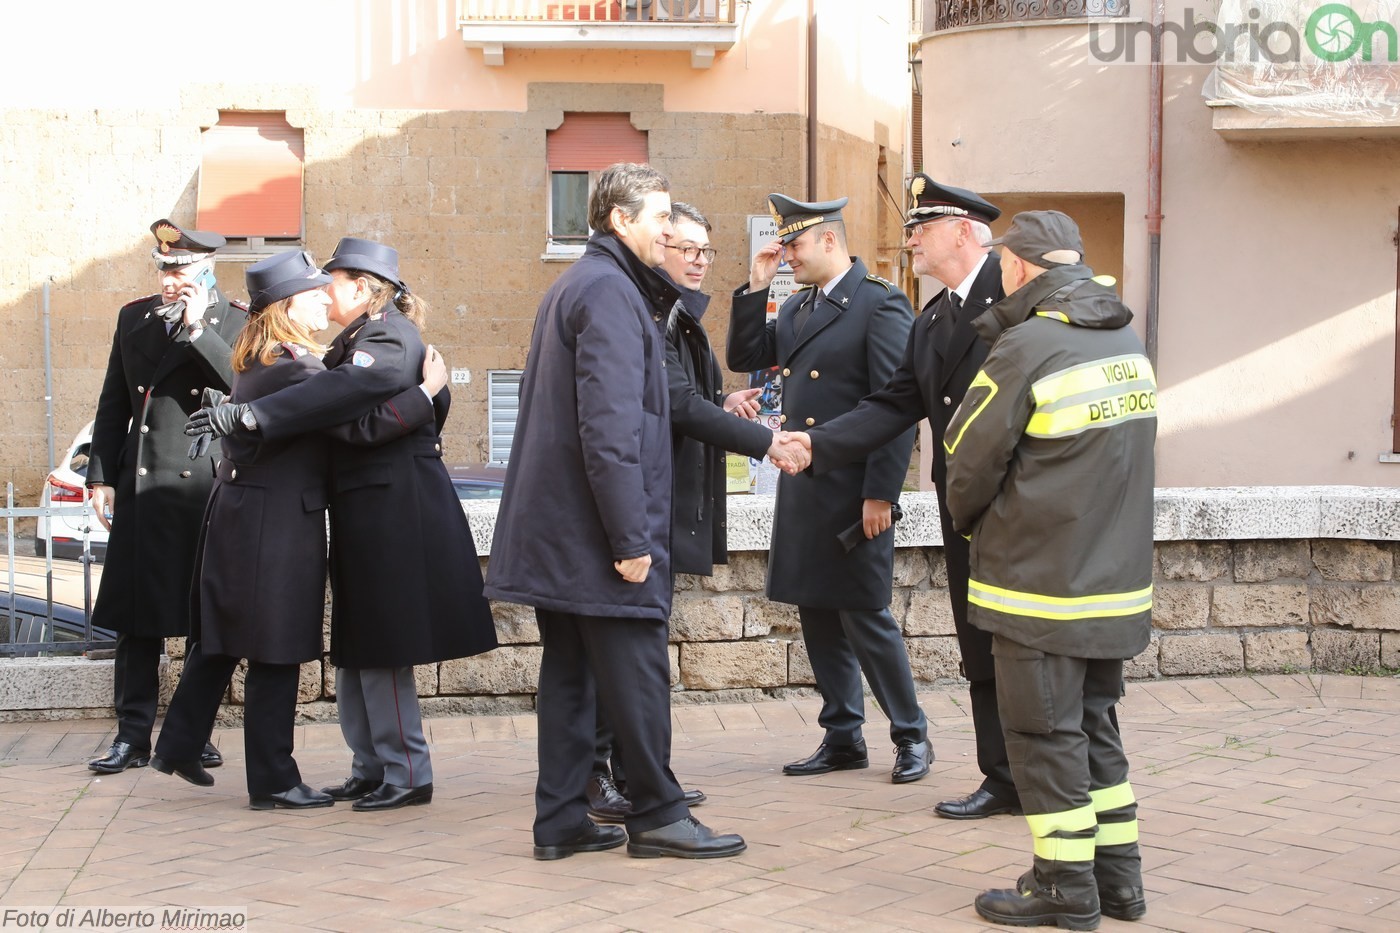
[[261, 560], [405, 577]]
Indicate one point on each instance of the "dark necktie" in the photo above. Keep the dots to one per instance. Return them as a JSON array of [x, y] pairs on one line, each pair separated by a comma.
[[955, 301], [804, 311]]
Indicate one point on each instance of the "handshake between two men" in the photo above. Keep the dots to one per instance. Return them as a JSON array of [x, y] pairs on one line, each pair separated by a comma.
[[791, 451]]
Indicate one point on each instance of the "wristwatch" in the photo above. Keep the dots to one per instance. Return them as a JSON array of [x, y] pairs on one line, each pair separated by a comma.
[[248, 420]]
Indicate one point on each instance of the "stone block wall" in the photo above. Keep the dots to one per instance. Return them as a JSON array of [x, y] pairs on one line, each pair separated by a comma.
[[1247, 605]]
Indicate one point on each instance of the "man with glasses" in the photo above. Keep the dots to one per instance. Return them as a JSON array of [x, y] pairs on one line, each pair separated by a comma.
[[832, 553], [949, 237], [703, 427]]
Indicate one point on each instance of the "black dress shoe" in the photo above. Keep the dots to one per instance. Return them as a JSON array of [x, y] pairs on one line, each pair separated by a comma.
[[831, 758], [591, 838], [605, 803], [693, 798], [391, 797], [353, 789], [210, 757], [120, 757], [1040, 906], [300, 797], [1122, 902], [685, 838], [910, 762], [191, 771], [977, 805]]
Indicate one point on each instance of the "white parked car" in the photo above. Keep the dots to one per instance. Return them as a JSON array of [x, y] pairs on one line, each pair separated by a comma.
[[62, 535]]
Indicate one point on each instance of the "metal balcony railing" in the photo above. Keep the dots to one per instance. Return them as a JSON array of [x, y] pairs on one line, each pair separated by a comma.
[[950, 14], [631, 12]]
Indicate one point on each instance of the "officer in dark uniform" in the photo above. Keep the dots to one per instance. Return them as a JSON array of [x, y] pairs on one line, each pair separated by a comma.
[[948, 237], [836, 341], [167, 349]]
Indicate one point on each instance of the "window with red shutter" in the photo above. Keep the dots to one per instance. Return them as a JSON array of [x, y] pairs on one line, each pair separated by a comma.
[[582, 146], [250, 178]]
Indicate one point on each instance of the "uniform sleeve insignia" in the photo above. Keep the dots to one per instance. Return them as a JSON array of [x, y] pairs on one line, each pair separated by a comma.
[[361, 358]]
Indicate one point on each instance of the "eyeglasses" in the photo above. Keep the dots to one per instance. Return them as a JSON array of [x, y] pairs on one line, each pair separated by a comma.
[[693, 253], [920, 229]]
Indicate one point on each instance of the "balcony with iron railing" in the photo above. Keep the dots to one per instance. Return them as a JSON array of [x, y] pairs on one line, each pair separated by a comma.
[[941, 15], [701, 27]]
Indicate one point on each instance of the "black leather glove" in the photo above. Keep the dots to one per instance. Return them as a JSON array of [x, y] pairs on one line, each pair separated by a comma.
[[218, 420], [212, 397]]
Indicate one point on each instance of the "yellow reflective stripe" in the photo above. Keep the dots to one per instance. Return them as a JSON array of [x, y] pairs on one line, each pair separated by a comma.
[[1093, 395], [1116, 834], [1112, 798], [982, 380], [1055, 315], [1058, 608], [1071, 821], [1065, 850]]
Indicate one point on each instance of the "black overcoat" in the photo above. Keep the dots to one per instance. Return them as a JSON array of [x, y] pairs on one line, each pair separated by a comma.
[[262, 551], [589, 480], [153, 384], [405, 579], [849, 347], [701, 433], [941, 359]]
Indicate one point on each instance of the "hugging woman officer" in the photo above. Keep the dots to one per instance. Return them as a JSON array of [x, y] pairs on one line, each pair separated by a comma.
[[260, 566], [405, 579]]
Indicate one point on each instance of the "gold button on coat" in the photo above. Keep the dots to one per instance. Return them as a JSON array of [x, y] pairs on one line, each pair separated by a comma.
[[141, 472], [811, 421], [782, 419], [140, 388], [816, 375], [184, 474], [787, 372], [145, 429]]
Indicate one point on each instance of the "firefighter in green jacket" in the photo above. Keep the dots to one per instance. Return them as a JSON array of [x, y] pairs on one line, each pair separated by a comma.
[[1050, 472]]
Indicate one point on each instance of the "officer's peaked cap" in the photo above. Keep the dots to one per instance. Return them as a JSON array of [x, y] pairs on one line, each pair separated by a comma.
[[282, 276], [360, 255]]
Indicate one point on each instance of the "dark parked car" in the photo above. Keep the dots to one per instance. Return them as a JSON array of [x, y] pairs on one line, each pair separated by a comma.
[[478, 480], [32, 610]]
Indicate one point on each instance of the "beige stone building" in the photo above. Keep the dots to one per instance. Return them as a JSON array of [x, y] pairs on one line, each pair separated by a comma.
[[465, 133], [1274, 294]]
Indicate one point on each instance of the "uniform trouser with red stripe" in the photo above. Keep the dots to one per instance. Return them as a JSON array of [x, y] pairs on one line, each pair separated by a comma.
[[1070, 769], [381, 723], [269, 717]]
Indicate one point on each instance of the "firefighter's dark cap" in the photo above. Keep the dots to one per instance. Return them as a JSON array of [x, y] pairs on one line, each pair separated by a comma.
[[929, 201], [793, 217], [176, 246], [1044, 238]]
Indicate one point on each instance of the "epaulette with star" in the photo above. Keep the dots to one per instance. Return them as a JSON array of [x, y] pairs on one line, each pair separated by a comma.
[[241, 306], [139, 300], [889, 286]]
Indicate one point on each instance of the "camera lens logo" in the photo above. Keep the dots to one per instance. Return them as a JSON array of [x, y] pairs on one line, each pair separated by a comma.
[[1332, 32]]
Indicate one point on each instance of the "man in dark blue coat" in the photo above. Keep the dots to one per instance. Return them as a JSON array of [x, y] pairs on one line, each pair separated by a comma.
[[833, 546], [583, 530]]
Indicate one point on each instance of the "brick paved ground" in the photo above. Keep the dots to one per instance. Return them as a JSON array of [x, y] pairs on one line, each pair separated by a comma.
[[1269, 803]]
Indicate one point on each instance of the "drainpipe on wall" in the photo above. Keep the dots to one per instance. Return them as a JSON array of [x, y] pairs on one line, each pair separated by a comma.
[[1154, 179], [48, 374], [811, 100]]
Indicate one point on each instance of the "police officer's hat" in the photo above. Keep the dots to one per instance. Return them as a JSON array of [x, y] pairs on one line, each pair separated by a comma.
[[793, 217], [931, 201], [366, 256], [178, 247], [281, 276]]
